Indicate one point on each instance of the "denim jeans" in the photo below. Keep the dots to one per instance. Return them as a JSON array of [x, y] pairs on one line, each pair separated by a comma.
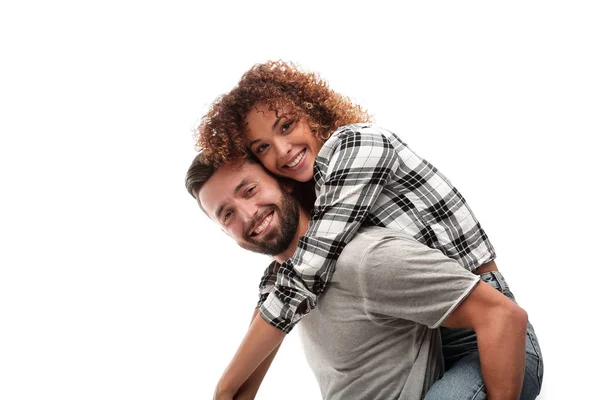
[[462, 377]]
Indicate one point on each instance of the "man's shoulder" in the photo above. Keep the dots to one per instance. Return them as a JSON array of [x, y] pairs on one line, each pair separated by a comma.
[[378, 233], [375, 234], [368, 237]]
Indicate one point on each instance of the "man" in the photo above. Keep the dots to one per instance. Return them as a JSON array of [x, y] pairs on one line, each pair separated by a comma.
[[370, 335]]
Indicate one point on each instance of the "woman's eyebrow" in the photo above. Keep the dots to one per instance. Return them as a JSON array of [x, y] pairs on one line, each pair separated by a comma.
[[276, 123], [252, 143]]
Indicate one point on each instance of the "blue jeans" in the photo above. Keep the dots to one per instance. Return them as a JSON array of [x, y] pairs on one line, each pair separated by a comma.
[[462, 377]]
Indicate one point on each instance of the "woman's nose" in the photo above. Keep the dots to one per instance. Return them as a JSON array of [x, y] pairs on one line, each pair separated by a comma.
[[282, 148]]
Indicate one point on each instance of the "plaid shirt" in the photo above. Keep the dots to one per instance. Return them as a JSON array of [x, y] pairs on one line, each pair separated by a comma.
[[366, 175]]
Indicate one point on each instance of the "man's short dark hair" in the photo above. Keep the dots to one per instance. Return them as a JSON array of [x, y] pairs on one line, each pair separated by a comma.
[[197, 174], [202, 169]]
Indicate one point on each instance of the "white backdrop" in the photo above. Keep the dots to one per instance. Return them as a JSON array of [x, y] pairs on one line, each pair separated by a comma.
[[114, 285]]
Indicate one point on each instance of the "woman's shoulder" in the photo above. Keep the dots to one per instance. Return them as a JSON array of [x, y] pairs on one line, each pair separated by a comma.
[[359, 142], [364, 133], [364, 129]]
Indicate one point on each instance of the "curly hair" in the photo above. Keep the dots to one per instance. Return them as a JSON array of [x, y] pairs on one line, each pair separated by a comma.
[[283, 88]]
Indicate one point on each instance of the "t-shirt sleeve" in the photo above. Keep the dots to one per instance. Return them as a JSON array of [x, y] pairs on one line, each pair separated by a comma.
[[402, 278], [360, 165]]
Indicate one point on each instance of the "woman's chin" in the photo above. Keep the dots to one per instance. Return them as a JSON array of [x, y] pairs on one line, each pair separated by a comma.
[[305, 178]]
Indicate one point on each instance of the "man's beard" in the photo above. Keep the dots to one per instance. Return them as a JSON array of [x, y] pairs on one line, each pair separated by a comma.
[[278, 240]]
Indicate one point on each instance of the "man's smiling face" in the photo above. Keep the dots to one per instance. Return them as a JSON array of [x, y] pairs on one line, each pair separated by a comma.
[[251, 207]]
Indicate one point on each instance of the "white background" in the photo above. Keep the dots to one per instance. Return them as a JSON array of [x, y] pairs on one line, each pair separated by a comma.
[[114, 285]]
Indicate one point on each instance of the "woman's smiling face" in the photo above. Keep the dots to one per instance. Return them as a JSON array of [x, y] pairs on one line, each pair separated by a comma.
[[284, 144]]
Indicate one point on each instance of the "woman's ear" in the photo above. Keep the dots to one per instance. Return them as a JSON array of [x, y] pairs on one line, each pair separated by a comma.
[[287, 185]]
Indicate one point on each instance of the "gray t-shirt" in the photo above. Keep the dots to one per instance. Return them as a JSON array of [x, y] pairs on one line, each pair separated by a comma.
[[369, 336]]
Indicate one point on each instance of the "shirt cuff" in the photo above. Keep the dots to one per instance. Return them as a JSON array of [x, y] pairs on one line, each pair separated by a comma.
[[267, 282], [285, 315]]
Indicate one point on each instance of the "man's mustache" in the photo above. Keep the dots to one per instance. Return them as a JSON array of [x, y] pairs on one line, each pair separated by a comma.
[[257, 220]]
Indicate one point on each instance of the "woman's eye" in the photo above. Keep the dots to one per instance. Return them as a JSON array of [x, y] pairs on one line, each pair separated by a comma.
[[286, 126], [261, 148]]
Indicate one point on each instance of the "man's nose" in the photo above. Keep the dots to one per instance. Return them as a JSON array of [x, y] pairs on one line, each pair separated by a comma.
[[247, 210]]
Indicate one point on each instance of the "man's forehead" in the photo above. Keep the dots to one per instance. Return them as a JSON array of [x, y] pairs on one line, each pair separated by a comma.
[[226, 181], [232, 174]]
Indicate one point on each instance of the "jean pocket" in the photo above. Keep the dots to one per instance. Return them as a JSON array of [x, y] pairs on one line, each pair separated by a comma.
[[533, 348], [496, 280]]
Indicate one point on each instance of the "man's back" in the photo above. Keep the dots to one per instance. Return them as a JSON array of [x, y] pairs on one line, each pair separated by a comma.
[[368, 337]]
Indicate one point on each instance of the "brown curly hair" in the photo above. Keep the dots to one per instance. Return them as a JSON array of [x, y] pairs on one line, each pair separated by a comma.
[[283, 88]]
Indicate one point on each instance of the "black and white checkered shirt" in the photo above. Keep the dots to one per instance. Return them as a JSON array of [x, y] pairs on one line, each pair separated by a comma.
[[365, 174]]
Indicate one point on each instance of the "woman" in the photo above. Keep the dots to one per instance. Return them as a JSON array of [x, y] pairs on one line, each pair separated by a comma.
[[362, 174]]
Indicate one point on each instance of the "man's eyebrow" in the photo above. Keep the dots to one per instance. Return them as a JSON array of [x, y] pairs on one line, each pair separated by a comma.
[[252, 143], [219, 211], [240, 185]]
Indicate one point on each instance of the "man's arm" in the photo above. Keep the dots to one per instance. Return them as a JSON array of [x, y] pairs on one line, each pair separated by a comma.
[[401, 278], [250, 387], [500, 325], [260, 341]]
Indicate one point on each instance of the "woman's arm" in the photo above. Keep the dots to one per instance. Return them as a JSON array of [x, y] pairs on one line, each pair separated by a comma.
[[359, 163]]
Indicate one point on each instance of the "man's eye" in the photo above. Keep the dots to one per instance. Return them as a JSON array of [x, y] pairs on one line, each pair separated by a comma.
[[226, 216], [261, 148], [251, 191]]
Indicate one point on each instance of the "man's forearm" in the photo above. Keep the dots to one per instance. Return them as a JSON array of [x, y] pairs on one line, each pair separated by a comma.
[[502, 354], [501, 327], [250, 387], [260, 341]]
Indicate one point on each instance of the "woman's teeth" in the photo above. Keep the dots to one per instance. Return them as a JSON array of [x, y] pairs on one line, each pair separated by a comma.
[[262, 226], [296, 160]]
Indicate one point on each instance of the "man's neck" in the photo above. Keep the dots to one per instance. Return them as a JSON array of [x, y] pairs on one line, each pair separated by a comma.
[[302, 228]]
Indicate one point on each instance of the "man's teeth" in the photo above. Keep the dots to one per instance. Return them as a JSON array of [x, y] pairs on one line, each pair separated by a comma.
[[262, 226], [296, 160]]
